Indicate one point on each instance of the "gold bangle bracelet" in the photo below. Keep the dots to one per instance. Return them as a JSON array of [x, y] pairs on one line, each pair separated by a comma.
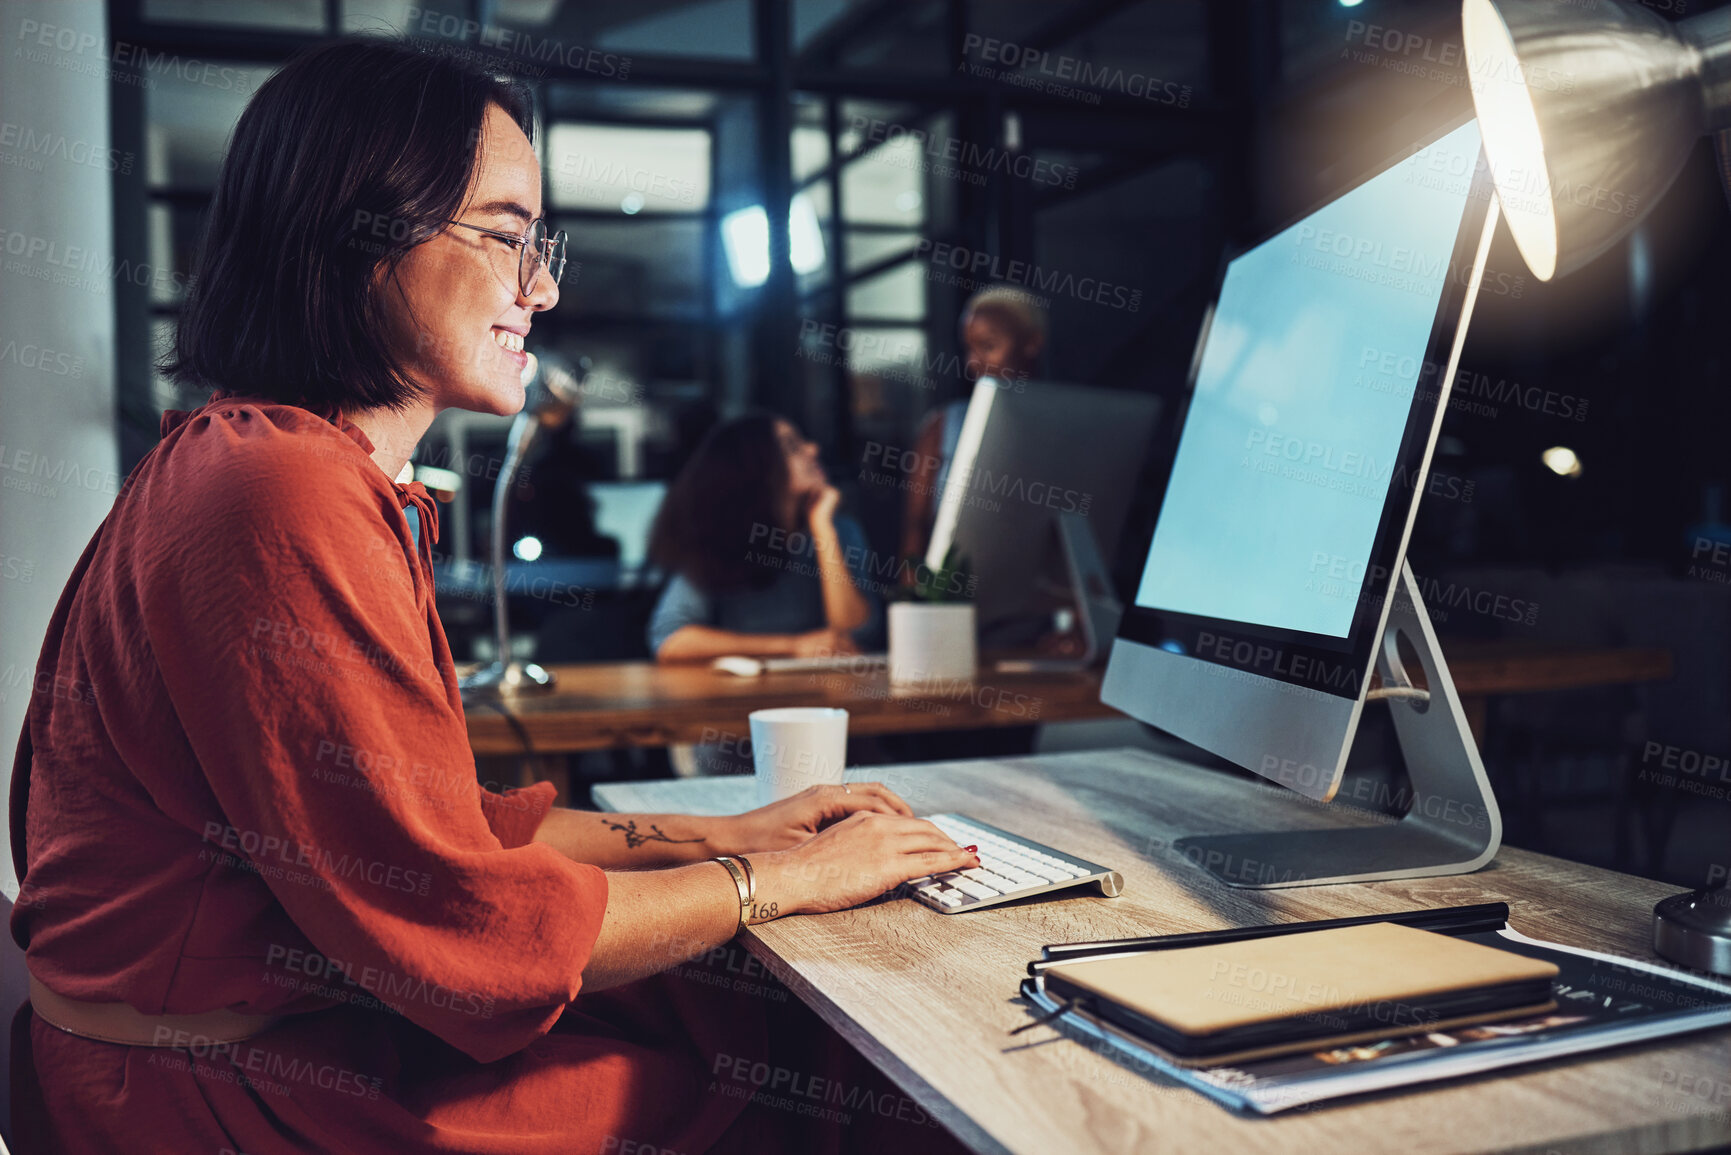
[[742, 884], [750, 875]]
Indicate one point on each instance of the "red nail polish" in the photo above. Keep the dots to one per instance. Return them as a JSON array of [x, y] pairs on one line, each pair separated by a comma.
[[974, 850]]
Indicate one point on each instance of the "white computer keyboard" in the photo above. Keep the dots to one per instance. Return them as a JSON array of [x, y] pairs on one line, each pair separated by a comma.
[[844, 663], [1010, 867]]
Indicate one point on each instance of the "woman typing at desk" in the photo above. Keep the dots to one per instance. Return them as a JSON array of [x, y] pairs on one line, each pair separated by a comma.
[[266, 905], [762, 563]]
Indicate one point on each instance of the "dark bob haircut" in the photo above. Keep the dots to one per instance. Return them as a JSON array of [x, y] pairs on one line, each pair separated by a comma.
[[735, 483], [350, 156]]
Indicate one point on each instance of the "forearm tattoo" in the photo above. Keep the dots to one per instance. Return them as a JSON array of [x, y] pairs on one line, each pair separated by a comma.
[[635, 837]]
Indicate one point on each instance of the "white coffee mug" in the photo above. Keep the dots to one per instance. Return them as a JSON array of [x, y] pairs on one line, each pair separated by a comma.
[[797, 746]]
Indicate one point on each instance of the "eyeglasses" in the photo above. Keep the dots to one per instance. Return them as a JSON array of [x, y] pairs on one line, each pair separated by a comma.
[[535, 250]]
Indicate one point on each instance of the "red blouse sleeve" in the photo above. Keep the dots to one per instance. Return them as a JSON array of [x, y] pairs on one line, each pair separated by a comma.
[[301, 657], [515, 815]]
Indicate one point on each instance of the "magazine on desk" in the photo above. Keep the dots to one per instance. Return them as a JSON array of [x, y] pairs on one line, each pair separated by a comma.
[[1602, 1002]]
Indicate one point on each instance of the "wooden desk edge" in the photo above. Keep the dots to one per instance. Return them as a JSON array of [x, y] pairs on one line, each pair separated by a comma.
[[931, 1100]]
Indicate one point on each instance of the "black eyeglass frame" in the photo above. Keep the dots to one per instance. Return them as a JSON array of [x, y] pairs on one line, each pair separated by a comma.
[[533, 256]]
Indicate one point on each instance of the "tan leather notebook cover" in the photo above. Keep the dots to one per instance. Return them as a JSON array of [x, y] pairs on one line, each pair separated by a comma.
[[1202, 989]]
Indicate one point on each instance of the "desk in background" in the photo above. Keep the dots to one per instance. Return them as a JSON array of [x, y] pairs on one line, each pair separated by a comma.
[[930, 998], [607, 705]]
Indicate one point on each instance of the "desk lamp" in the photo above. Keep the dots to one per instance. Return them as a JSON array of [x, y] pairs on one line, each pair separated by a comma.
[[1589, 110], [549, 406]]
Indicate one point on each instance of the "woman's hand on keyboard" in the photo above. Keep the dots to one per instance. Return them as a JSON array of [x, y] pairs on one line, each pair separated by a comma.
[[794, 819], [856, 859]]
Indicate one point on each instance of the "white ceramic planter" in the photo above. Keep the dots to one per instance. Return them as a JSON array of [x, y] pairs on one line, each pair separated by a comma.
[[931, 642]]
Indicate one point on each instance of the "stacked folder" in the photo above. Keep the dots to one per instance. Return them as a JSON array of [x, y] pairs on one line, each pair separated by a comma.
[[1258, 997]]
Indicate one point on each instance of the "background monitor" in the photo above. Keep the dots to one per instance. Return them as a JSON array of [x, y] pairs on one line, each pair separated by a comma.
[[1317, 392], [1030, 453], [625, 511]]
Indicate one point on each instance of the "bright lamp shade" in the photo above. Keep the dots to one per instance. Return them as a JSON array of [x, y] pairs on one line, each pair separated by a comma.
[[1588, 111]]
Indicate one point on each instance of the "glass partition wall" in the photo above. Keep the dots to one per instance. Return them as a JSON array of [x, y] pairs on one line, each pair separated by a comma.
[[908, 154]]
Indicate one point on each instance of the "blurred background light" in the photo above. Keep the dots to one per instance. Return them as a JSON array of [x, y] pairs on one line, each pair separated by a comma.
[[1562, 461]]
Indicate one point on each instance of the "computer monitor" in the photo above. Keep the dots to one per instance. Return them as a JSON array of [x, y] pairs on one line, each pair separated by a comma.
[[1039, 484], [1317, 390], [625, 511]]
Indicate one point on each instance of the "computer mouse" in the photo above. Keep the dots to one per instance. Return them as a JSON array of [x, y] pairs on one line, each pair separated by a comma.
[[738, 664]]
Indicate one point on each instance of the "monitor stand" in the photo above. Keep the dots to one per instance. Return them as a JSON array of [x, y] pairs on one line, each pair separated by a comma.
[[1452, 826], [1098, 609]]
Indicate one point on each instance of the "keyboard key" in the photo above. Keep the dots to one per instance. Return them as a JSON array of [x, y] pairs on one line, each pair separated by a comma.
[[1048, 873], [978, 890], [1022, 878], [1001, 883]]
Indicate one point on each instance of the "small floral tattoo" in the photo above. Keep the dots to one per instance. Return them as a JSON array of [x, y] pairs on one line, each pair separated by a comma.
[[635, 838]]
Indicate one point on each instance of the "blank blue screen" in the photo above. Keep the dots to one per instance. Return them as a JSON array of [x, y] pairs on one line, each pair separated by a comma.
[[1302, 394]]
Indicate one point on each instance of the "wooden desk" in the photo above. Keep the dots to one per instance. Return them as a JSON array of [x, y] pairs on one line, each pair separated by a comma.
[[1482, 669], [600, 706], [929, 997], [604, 705]]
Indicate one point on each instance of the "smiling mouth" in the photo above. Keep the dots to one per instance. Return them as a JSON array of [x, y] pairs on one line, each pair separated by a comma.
[[506, 340]]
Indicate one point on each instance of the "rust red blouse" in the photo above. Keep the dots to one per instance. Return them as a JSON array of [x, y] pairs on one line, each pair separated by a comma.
[[245, 782]]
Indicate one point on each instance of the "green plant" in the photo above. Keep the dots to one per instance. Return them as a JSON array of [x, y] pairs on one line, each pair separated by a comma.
[[949, 582]]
